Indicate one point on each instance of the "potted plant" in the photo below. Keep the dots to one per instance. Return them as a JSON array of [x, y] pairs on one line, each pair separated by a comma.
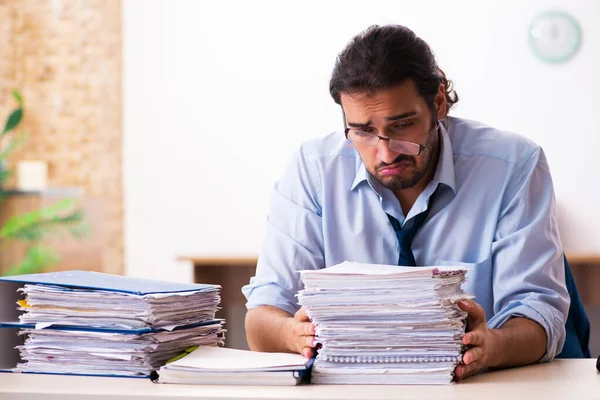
[[31, 227]]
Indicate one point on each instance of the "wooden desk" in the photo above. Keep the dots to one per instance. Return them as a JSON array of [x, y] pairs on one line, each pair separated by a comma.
[[231, 274], [586, 272], [562, 379]]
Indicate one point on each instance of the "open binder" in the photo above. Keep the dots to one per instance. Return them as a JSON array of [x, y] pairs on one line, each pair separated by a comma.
[[85, 285]]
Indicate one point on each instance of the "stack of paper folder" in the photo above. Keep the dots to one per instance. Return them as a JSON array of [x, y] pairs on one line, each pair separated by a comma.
[[89, 323], [384, 324]]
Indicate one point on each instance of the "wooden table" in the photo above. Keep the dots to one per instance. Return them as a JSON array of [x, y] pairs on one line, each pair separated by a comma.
[[231, 274], [234, 272], [586, 272], [561, 379]]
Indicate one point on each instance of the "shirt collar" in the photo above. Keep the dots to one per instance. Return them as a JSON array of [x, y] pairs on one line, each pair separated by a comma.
[[363, 175], [444, 172]]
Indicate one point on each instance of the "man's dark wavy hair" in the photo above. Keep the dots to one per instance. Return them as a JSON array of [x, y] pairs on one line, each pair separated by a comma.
[[384, 56]]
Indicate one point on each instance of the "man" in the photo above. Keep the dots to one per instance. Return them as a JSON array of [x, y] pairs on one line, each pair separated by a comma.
[[474, 195]]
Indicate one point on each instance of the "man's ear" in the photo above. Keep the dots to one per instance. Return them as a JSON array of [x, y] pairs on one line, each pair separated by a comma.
[[441, 105]]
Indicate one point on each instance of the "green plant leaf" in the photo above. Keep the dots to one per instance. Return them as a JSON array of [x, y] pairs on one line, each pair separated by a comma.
[[80, 229], [13, 120], [18, 97], [35, 225], [38, 258], [15, 142], [4, 175]]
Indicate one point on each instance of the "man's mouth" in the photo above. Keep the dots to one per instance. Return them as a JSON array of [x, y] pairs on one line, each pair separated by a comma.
[[395, 168]]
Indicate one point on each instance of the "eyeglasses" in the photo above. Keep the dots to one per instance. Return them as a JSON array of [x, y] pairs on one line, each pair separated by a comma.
[[400, 146]]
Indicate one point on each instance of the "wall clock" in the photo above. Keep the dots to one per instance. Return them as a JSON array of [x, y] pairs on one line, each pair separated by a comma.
[[554, 36]]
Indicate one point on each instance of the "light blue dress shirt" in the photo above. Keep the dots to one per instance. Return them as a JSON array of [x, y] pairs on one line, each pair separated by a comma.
[[494, 212]]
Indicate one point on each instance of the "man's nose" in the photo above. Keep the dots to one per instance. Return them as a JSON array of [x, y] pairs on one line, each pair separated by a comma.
[[384, 153]]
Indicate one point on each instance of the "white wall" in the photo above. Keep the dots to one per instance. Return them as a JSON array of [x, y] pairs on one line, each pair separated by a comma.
[[219, 94]]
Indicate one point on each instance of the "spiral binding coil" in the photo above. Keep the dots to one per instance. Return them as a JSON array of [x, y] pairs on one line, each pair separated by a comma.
[[389, 359]]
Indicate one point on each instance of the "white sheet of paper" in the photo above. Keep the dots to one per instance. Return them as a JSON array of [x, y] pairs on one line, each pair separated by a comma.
[[356, 268], [220, 358]]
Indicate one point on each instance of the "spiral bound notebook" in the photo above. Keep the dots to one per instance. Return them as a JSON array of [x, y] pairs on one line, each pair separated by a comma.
[[385, 324], [222, 366]]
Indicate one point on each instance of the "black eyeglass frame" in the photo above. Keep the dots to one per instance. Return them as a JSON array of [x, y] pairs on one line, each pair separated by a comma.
[[421, 147]]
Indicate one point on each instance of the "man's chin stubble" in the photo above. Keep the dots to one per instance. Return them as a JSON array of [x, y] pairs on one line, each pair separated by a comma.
[[397, 183]]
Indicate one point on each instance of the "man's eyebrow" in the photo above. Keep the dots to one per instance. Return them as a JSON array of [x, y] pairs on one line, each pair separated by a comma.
[[359, 125], [392, 118], [402, 116]]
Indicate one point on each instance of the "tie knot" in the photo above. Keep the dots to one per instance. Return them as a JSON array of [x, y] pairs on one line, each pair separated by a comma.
[[405, 237]]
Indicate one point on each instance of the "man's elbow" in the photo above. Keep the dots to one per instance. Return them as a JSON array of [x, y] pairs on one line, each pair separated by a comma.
[[252, 329], [266, 328]]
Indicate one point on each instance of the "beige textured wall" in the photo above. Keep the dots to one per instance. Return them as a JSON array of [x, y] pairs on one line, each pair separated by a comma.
[[65, 57]]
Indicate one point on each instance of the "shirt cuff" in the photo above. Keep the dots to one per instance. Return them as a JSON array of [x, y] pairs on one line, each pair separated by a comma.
[[548, 317], [270, 294]]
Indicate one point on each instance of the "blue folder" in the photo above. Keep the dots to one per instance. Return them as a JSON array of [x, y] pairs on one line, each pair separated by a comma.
[[109, 282], [137, 331]]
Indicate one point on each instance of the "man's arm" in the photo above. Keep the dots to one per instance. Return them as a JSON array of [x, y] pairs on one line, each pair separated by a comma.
[[293, 242], [520, 341], [528, 277], [528, 281], [271, 329]]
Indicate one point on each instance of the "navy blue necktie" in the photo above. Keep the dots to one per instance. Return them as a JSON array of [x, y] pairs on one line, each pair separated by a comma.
[[405, 237]]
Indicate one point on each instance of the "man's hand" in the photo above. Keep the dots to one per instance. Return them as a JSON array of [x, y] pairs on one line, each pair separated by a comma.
[[481, 341], [271, 329], [301, 334]]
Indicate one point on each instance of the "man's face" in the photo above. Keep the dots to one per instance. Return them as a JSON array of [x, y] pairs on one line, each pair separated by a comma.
[[399, 113]]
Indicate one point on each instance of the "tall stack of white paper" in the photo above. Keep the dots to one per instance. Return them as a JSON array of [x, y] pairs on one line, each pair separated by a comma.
[[108, 353], [55, 305], [118, 326], [383, 324]]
